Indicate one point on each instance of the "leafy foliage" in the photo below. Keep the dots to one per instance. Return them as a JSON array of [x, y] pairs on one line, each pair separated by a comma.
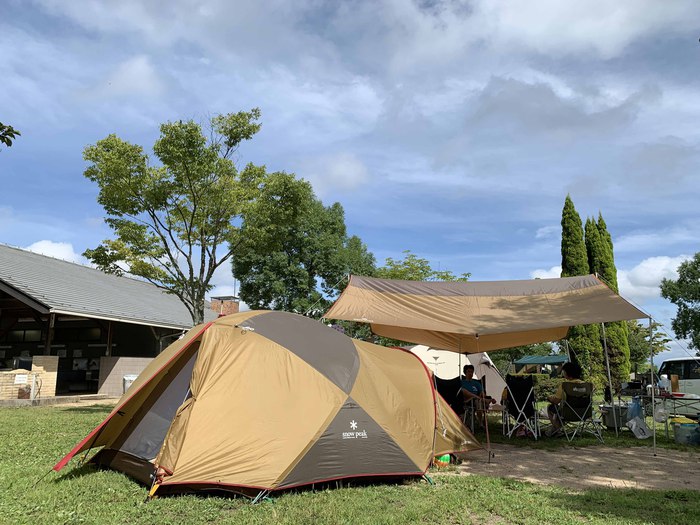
[[601, 260], [292, 251], [684, 292], [638, 338], [8, 134], [414, 268], [170, 219], [502, 359], [574, 261]]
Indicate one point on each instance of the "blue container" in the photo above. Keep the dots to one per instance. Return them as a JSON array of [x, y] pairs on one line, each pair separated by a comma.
[[686, 433]]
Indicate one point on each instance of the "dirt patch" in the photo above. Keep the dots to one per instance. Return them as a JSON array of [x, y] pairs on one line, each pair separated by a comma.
[[589, 467]]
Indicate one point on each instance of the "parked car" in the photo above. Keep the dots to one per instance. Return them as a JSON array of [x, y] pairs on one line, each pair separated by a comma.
[[688, 371]]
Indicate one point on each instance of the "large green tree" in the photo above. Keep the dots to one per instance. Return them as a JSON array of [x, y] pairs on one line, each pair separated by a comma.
[[292, 251], [414, 268], [602, 262], [8, 134], [638, 338], [684, 292], [174, 219], [582, 340], [595, 248]]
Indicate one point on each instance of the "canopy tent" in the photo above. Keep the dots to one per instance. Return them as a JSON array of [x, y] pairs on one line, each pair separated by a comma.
[[472, 317], [535, 363]]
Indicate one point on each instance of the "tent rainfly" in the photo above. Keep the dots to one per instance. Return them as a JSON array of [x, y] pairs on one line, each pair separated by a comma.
[[472, 317], [262, 401]]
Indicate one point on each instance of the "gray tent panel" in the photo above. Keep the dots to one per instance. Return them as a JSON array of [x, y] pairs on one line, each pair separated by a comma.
[[328, 351], [352, 445]]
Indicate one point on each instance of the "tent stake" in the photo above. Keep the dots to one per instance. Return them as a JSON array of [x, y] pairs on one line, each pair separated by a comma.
[[260, 496]]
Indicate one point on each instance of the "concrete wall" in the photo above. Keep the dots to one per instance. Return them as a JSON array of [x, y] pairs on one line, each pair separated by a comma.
[[17, 384], [112, 372]]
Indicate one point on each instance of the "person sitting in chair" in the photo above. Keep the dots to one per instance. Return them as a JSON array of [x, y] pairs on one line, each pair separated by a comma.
[[472, 389], [571, 372]]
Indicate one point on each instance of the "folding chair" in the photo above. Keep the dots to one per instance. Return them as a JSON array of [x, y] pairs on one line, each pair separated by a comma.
[[576, 411], [473, 409], [520, 411]]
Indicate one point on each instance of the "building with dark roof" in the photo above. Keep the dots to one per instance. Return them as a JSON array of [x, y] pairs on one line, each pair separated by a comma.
[[81, 315]]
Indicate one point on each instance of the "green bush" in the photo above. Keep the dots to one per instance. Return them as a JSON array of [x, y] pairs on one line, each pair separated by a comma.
[[545, 385]]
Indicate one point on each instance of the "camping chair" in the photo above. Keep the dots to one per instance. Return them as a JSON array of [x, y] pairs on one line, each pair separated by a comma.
[[575, 411], [473, 410], [520, 410]]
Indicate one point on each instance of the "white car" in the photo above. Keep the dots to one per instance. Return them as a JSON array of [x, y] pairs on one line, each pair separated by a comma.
[[687, 399]]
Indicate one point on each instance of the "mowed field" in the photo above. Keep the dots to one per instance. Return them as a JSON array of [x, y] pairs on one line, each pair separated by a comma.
[[33, 439]]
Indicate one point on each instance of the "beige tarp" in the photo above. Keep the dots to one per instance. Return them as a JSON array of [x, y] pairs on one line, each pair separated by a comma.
[[476, 317]]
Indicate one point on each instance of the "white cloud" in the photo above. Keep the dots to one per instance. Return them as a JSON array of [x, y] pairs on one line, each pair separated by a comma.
[[59, 250], [547, 232], [133, 77], [336, 172], [639, 241], [642, 282], [556, 27], [553, 272]]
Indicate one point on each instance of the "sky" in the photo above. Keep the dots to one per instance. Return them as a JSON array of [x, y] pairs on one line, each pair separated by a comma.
[[451, 129]]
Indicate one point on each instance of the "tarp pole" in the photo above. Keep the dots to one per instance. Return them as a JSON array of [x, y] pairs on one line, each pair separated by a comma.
[[607, 365], [653, 387]]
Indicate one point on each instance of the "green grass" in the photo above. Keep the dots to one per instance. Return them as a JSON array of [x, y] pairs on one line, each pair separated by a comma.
[[33, 439]]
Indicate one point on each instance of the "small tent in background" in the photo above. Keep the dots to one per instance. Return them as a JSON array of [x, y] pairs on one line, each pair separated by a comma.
[[447, 367], [262, 401]]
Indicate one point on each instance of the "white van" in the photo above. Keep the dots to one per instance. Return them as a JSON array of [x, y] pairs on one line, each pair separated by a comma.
[[688, 371]]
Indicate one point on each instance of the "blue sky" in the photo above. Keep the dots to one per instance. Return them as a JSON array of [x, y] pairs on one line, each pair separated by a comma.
[[451, 129]]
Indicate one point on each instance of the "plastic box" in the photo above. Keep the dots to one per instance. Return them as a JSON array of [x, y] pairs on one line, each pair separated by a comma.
[[686, 433]]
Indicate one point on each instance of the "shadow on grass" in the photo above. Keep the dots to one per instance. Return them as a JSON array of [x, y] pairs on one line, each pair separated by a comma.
[[669, 507], [90, 409], [625, 439], [78, 472]]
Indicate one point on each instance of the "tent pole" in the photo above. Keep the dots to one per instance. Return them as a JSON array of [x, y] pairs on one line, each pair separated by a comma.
[[485, 407], [651, 374], [607, 365]]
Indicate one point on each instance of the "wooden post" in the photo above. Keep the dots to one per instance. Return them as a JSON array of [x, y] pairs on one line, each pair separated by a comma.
[[109, 339], [49, 334]]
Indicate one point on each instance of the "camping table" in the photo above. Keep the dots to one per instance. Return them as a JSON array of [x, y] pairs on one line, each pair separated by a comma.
[[670, 404]]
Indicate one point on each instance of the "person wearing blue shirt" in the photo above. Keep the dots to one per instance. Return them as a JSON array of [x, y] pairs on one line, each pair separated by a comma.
[[471, 388]]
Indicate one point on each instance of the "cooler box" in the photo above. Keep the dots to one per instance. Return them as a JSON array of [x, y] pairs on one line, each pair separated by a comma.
[[606, 412], [686, 433]]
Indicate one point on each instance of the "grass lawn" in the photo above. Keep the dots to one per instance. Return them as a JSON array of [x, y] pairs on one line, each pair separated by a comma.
[[33, 439]]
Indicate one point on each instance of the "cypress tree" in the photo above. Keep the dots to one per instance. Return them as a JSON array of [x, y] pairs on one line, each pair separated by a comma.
[[595, 245], [574, 261], [617, 333]]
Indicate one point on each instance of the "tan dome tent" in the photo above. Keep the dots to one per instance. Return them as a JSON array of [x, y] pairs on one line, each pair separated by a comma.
[[264, 401]]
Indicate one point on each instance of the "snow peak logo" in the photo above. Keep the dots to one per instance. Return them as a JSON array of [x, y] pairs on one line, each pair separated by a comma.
[[355, 434]]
